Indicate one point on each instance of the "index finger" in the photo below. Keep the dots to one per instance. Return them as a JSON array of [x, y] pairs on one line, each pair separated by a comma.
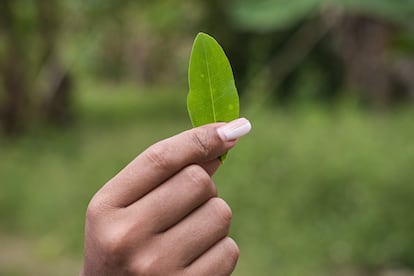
[[165, 158]]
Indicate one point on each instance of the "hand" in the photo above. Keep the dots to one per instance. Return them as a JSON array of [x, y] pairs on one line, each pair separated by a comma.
[[161, 215]]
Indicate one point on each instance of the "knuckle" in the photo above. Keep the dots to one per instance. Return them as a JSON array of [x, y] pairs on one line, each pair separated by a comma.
[[108, 236], [200, 179], [232, 250], [156, 155], [114, 242], [202, 141], [95, 209], [147, 265], [223, 211]]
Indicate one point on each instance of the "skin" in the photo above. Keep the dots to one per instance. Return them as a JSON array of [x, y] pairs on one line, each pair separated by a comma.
[[161, 215]]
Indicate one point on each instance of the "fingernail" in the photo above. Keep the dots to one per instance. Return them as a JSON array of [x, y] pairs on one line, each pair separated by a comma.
[[234, 129]]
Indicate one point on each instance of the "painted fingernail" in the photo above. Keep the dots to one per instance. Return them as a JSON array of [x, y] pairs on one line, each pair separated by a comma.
[[234, 129]]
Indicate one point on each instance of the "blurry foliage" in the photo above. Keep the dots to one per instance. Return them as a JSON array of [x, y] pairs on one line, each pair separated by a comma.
[[331, 188], [267, 15], [313, 191], [272, 44], [350, 41], [45, 47], [34, 81]]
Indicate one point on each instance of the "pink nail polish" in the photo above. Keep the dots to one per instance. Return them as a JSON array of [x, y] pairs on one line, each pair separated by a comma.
[[234, 129]]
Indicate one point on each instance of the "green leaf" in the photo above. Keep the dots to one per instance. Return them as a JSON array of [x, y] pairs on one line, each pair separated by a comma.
[[213, 94]]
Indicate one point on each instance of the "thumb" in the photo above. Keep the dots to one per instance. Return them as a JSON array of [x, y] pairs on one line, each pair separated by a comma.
[[165, 158]]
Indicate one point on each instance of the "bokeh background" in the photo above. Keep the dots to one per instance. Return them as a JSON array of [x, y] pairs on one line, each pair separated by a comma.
[[323, 185]]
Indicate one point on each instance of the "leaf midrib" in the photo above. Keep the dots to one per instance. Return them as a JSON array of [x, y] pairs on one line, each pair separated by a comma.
[[209, 83]]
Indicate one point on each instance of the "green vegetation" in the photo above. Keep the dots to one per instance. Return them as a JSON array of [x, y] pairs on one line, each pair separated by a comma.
[[313, 191], [343, 48], [322, 185]]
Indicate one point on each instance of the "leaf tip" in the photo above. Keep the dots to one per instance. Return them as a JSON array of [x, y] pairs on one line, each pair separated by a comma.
[[202, 35]]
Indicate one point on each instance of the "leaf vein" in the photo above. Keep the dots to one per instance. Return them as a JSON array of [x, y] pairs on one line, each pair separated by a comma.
[[209, 83]]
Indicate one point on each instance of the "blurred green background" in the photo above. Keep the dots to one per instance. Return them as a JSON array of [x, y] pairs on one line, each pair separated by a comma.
[[323, 185]]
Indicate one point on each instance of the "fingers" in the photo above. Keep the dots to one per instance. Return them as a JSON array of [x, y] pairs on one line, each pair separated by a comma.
[[199, 231], [162, 160], [211, 166], [219, 260], [170, 202], [160, 215]]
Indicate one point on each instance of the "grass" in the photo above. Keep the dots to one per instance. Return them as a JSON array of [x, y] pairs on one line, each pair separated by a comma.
[[313, 191], [320, 191]]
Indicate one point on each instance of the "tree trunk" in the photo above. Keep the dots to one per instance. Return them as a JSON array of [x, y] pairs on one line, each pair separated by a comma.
[[12, 72]]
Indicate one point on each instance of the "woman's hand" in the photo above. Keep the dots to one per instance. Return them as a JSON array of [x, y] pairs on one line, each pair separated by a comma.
[[161, 215]]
